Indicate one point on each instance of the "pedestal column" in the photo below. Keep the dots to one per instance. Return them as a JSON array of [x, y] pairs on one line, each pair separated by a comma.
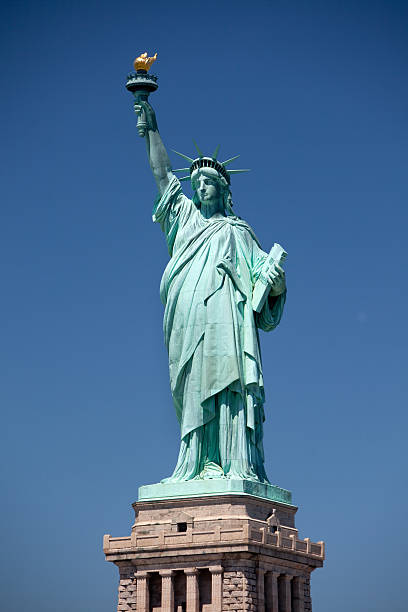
[[271, 591], [192, 592], [142, 591], [167, 603], [216, 588], [285, 603], [260, 581], [298, 602]]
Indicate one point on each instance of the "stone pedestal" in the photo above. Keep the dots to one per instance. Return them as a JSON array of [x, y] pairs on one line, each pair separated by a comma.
[[213, 554]]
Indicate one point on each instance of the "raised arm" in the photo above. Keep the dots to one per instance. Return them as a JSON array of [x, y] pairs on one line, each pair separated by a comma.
[[158, 159]]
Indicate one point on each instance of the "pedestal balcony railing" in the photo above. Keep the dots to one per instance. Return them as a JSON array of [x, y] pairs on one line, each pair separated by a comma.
[[286, 538]]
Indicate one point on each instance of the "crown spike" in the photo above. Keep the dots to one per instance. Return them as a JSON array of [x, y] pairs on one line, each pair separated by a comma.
[[228, 161], [182, 155], [180, 169], [214, 155], [200, 153], [185, 178], [238, 171]]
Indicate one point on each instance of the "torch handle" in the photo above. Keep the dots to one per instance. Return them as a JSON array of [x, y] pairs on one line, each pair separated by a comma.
[[141, 119], [141, 124]]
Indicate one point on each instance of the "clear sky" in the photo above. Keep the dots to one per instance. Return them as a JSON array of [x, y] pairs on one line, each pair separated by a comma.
[[314, 97]]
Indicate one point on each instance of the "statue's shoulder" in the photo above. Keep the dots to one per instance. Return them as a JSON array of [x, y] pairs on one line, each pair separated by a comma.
[[245, 227], [172, 202]]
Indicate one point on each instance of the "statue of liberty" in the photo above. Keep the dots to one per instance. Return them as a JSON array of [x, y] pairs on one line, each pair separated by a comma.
[[210, 325]]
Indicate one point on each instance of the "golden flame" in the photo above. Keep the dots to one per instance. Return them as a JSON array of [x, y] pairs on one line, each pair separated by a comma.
[[143, 62]]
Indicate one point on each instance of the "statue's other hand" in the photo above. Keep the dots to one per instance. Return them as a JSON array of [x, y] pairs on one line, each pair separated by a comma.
[[143, 108], [276, 278]]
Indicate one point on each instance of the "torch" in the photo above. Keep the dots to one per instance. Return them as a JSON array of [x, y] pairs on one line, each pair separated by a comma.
[[141, 84]]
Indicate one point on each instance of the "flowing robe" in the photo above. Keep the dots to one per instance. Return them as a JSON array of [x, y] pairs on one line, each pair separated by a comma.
[[212, 339]]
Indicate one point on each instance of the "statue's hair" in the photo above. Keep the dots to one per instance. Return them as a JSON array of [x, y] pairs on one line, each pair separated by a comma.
[[225, 191]]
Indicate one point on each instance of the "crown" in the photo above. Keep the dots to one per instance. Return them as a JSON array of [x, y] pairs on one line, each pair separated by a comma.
[[143, 62], [204, 161]]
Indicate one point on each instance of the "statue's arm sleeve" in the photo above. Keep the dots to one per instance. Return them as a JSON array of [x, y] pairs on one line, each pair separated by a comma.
[[272, 310], [172, 210]]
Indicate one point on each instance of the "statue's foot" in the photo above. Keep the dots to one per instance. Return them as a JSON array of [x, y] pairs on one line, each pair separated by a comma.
[[211, 471], [247, 476]]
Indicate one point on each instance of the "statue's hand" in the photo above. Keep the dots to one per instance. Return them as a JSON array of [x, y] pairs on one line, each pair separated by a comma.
[[276, 278], [147, 117]]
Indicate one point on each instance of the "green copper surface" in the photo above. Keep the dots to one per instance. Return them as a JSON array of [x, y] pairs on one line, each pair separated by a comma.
[[211, 330], [211, 334], [199, 488]]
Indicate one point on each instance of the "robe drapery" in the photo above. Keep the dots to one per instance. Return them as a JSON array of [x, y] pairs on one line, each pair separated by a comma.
[[211, 335]]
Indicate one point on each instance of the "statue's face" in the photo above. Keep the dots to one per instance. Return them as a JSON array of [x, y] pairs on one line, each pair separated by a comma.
[[207, 186]]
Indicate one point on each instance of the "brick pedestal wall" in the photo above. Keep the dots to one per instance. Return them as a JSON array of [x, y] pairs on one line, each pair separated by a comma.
[[127, 589], [239, 589], [308, 598]]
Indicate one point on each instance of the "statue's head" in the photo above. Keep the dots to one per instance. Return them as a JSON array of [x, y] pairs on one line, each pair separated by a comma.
[[210, 186], [210, 179]]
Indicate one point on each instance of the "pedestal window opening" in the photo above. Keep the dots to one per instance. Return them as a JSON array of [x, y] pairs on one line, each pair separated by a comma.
[[205, 590], [155, 592]]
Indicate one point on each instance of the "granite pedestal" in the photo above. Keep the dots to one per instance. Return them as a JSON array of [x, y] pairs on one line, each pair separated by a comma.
[[214, 553]]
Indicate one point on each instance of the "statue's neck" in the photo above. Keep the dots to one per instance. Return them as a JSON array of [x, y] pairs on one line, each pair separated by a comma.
[[211, 209]]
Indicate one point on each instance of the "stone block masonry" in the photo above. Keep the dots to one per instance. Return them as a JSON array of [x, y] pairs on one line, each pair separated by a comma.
[[214, 554]]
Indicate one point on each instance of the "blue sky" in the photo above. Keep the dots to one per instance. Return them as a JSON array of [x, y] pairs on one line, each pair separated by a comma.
[[314, 97]]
